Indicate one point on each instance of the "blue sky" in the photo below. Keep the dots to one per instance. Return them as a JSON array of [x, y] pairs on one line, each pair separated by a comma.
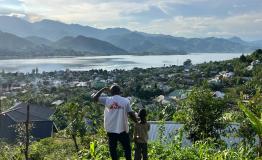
[[187, 18]]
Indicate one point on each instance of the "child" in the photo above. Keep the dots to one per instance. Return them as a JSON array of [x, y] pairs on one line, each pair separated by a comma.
[[141, 136]]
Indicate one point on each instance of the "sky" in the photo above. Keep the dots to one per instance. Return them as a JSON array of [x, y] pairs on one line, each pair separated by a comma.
[[180, 18]]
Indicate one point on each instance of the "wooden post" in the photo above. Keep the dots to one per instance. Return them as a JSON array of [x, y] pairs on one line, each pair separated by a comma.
[[0, 105], [27, 132]]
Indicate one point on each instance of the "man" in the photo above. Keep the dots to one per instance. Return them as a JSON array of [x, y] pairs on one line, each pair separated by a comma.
[[117, 110]]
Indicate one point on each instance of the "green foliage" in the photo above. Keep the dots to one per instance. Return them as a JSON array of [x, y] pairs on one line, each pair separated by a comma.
[[180, 116], [243, 58], [208, 149], [204, 114], [75, 116], [52, 148], [92, 149], [188, 62], [9, 152], [256, 122], [205, 149], [74, 113]]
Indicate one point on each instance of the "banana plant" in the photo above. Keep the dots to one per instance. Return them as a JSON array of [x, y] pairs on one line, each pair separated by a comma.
[[255, 121]]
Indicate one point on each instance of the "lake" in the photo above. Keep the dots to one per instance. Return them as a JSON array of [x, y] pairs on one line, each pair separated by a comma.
[[126, 62]]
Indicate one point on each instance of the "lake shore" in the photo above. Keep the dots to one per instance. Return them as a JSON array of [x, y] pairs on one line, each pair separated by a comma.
[[127, 62]]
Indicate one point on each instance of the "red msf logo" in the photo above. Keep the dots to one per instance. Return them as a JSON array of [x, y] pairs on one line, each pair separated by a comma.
[[115, 106]]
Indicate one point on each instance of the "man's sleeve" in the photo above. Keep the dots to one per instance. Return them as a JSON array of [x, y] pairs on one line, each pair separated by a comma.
[[128, 107], [102, 100]]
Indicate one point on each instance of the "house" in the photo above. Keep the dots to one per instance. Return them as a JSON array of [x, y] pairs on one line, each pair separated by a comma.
[[39, 116], [58, 102], [218, 94], [162, 99], [252, 64], [178, 94], [82, 84], [250, 67], [98, 84], [163, 87], [255, 62], [214, 81], [227, 74]]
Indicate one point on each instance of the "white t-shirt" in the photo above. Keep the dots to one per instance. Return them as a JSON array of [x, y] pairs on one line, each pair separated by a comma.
[[116, 113]]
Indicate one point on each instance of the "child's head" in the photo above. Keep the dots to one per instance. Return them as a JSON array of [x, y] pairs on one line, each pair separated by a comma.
[[142, 114]]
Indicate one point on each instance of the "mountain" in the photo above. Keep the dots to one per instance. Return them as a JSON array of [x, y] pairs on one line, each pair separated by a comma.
[[213, 44], [135, 42], [85, 44], [49, 29], [12, 42], [12, 45], [39, 40], [130, 41], [257, 43], [15, 26], [237, 40]]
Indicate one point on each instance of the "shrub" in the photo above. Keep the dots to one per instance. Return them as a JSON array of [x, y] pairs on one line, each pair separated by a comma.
[[205, 114]]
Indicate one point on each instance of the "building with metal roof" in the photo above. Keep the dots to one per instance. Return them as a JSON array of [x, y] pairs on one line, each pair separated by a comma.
[[170, 129], [39, 117]]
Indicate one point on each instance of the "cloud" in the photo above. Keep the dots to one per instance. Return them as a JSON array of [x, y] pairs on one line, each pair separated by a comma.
[[240, 25], [96, 11], [19, 15], [82, 11]]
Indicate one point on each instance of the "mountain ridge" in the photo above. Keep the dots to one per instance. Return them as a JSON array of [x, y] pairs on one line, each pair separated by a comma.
[[12, 45], [133, 42], [82, 43]]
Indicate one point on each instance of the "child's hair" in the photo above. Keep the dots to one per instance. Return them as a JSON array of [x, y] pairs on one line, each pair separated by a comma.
[[142, 114]]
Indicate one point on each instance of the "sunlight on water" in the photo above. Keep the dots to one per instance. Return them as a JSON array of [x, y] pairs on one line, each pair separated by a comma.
[[109, 62]]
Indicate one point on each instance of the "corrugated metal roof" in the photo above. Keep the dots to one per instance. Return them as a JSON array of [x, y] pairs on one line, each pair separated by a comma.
[[171, 130], [37, 112]]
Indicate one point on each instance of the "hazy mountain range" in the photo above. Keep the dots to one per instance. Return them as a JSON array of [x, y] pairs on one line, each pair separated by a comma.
[[47, 37]]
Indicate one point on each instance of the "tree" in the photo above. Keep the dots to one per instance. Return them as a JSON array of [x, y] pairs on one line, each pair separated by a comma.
[[188, 62], [243, 58], [257, 54], [74, 113], [204, 114]]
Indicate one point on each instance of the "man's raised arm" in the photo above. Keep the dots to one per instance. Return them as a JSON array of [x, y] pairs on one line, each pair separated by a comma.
[[98, 94]]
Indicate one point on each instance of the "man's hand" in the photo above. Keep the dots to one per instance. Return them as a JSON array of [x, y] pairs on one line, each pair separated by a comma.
[[106, 89], [98, 94], [132, 115]]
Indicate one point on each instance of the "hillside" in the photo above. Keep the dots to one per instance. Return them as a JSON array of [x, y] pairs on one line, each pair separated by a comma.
[[39, 40], [12, 42], [92, 45], [14, 46]]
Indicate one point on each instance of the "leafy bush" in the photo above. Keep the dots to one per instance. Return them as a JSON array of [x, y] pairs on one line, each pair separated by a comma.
[[204, 114], [52, 148], [9, 152]]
